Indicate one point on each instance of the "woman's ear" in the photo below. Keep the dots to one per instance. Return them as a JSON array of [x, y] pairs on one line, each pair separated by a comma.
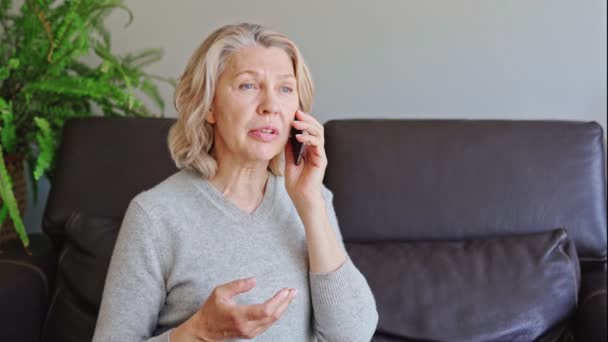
[[210, 116]]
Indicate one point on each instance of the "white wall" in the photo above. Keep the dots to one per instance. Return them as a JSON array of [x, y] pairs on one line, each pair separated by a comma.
[[515, 59], [411, 59]]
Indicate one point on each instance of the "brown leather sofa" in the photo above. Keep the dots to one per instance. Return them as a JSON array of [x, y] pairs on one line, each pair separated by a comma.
[[466, 230]]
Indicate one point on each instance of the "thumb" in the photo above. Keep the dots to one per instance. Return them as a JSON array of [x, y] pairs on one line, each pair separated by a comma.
[[236, 287]]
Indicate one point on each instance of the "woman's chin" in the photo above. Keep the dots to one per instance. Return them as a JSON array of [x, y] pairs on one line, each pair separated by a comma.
[[264, 156]]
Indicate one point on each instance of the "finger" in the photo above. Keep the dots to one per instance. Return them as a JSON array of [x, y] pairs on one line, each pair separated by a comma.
[[310, 140], [300, 115], [248, 330], [280, 310], [260, 330], [308, 127], [264, 323], [262, 311], [315, 152], [236, 287], [316, 145]]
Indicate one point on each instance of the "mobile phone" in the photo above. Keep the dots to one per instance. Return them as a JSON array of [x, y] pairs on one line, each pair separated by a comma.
[[297, 147]]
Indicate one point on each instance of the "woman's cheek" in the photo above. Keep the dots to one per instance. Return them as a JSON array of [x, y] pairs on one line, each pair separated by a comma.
[[290, 103]]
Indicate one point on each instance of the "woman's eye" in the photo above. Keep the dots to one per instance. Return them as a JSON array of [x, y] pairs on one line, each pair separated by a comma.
[[246, 86], [286, 89]]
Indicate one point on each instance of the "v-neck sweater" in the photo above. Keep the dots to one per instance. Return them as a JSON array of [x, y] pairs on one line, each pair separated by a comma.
[[182, 238]]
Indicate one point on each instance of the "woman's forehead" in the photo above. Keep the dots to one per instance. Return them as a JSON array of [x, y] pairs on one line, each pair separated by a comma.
[[259, 60]]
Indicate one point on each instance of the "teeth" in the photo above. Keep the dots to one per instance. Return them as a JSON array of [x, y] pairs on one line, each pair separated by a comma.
[[267, 131]]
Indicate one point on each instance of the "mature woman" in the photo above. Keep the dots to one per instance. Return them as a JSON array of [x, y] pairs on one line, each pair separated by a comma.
[[242, 242]]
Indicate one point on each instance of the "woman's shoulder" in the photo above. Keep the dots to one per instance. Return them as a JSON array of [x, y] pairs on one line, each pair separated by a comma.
[[173, 190]]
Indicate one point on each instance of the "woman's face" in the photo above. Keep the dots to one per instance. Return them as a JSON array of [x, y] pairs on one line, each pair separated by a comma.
[[255, 101]]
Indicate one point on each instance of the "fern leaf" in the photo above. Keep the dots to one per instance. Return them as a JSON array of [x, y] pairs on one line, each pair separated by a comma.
[[8, 198], [5, 5], [8, 130], [3, 73], [80, 87], [152, 91], [46, 145], [3, 214], [143, 57], [31, 164], [59, 112]]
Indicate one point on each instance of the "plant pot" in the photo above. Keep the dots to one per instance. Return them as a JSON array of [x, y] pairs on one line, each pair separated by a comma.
[[16, 169]]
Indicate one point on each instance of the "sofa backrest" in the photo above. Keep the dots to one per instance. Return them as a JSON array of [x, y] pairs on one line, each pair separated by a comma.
[[403, 180], [102, 164], [392, 179]]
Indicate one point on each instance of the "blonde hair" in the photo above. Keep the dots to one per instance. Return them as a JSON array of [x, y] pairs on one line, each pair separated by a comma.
[[191, 137]]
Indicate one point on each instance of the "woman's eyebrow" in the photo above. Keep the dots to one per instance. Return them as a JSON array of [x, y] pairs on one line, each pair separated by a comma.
[[253, 72], [287, 76]]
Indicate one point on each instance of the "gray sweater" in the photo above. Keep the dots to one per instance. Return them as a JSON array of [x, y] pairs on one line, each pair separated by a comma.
[[182, 238]]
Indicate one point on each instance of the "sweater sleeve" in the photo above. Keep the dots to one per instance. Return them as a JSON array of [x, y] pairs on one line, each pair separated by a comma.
[[134, 290], [343, 304]]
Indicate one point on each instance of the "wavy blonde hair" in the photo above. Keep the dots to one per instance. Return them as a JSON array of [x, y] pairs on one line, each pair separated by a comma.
[[191, 137]]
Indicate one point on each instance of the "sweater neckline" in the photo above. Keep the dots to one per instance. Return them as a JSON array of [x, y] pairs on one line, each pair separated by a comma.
[[231, 209]]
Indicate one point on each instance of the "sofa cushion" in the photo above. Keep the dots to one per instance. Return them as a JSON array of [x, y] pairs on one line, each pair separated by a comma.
[[82, 269], [25, 287], [510, 288]]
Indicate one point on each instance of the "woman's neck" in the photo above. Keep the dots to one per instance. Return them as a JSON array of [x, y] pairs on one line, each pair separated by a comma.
[[243, 186]]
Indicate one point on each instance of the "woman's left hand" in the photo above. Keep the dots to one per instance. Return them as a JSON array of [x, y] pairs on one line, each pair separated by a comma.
[[304, 181]]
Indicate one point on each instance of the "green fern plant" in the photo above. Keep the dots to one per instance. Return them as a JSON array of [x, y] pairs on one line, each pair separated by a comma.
[[44, 82]]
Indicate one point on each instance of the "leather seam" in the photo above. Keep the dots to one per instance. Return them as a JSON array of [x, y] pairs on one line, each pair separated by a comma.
[[593, 259], [54, 299], [62, 256], [45, 281], [570, 336], [593, 294], [46, 319], [572, 273]]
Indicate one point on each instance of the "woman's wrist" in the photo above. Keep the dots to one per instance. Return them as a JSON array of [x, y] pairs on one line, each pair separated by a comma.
[[186, 332], [308, 204]]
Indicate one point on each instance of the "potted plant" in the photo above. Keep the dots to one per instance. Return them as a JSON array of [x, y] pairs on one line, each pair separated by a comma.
[[44, 82]]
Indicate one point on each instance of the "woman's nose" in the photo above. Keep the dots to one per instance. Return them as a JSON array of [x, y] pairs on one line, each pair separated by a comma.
[[270, 104]]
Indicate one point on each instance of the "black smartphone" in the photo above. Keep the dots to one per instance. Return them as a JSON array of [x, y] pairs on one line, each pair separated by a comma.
[[298, 147]]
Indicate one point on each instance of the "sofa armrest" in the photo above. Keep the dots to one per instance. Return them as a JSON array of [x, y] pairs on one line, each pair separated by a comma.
[[590, 324], [25, 287]]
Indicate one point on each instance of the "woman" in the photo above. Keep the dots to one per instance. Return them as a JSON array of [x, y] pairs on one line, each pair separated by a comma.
[[239, 244]]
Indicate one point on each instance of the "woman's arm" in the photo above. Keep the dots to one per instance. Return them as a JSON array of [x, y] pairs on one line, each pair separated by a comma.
[[325, 253], [134, 291], [343, 304]]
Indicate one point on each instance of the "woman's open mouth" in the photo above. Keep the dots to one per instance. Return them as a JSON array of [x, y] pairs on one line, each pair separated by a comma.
[[264, 134]]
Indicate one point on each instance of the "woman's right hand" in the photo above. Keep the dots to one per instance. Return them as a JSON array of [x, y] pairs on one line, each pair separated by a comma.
[[220, 318]]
